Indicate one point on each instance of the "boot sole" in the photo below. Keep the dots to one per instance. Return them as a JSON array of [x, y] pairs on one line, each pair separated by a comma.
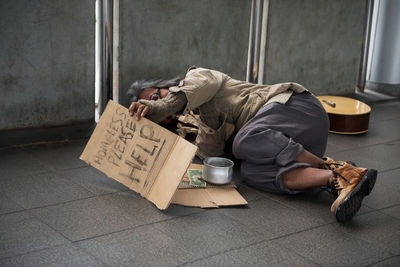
[[352, 203]]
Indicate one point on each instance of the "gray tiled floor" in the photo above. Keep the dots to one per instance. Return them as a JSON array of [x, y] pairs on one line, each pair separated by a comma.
[[57, 211]]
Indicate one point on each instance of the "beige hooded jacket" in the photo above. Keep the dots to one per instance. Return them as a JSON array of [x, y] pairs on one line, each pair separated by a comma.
[[232, 101]]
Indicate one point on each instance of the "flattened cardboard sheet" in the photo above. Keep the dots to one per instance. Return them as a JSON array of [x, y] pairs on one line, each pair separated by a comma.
[[212, 196], [141, 155]]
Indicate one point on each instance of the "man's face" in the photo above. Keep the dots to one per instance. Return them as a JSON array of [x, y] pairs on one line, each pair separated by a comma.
[[153, 93]]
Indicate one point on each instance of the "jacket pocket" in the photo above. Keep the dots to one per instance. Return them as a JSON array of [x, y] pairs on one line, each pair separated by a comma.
[[211, 143]]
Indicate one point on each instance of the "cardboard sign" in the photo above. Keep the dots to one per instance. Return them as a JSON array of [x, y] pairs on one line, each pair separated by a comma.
[[141, 155], [212, 196]]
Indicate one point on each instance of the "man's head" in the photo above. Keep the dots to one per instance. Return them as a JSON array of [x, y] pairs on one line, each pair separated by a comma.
[[153, 93], [150, 89], [153, 90]]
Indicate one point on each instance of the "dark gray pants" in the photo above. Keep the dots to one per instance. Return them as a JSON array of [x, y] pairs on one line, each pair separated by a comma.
[[269, 143]]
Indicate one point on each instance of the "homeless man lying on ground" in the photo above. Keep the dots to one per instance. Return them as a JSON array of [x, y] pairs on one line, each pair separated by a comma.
[[280, 132]]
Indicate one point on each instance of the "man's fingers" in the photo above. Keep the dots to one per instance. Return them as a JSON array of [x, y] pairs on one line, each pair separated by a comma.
[[140, 109], [145, 110], [132, 108]]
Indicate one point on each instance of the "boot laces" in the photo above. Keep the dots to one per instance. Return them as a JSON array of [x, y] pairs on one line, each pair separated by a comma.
[[336, 176], [330, 166], [333, 186]]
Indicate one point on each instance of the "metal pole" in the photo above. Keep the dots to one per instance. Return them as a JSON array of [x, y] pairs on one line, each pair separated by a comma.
[[362, 74], [115, 62], [263, 44], [106, 87], [98, 55], [251, 44], [256, 41]]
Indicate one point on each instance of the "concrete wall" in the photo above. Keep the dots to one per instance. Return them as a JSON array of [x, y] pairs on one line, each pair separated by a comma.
[[316, 43], [47, 49], [47, 62], [161, 39]]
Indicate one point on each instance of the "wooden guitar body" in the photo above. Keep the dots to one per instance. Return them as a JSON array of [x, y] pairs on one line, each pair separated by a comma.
[[346, 115]]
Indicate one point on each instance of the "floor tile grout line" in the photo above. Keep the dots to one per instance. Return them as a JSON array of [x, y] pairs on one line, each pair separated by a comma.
[[89, 253], [231, 250], [20, 172], [286, 204], [257, 242], [169, 219], [256, 231], [304, 257], [76, 200], [377, 243], [94, 256], [51, 247], [12, 212], [333, 223], [32, 251], [59, 172], [47, 169], [291, 207], [74, 242], [365, 212], [46, 145], [304, 230], [388, 170], [62, 203], [136, 226], [33, 216], [381, 212], [127, 229], [73, 168], [374, 264], [51, 227], [366, 146], [380, 209], [343, 231], [225, 251], [388, 207], [30, 210]]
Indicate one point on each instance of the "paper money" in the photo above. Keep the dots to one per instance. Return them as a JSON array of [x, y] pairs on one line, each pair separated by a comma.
[[195, 178]]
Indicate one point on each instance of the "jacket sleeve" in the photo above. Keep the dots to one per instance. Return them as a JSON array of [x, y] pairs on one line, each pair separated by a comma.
[[162, 108], [200, 86]]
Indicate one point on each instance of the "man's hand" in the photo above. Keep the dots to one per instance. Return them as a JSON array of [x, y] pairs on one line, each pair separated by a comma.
[[140, 109]]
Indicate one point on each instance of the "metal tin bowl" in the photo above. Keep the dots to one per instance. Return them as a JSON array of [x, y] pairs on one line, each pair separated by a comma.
[[218, 170]]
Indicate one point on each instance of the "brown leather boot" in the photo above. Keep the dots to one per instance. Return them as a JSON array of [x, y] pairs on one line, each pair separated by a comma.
[[331, 164], [352, 184]]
